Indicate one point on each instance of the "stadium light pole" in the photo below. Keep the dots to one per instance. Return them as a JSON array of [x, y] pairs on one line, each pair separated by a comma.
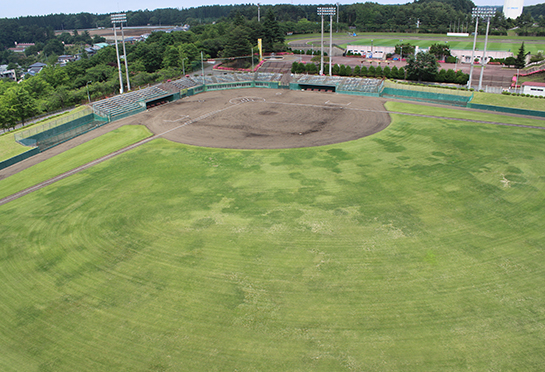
[[118, 18], [323, 11], [321, 46], [474, 15], [338, 4], [486, 13], [125, 56], [330, 42]]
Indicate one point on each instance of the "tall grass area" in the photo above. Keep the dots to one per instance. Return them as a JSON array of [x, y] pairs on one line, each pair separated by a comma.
[[419, 248], [73, 158]]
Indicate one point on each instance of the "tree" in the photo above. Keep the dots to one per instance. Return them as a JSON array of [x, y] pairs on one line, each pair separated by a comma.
[[510, 61], [237, 43], [54, 47], [19, 104], [422, 67], [406, 48], [440, 50], [394, 73], [271, 31], [520, 62]]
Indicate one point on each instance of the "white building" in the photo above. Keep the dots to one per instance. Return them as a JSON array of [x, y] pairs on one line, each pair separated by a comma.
[[7, 74], [512, 8], [464, 56], [533, 88]]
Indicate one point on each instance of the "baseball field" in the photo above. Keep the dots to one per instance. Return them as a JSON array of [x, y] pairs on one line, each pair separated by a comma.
[[282, 232]]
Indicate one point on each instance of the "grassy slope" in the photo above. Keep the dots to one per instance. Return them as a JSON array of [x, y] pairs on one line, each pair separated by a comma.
[[460, 114], [400, 251], [73, 158], [539, 77], [10, 148], [509, 101]]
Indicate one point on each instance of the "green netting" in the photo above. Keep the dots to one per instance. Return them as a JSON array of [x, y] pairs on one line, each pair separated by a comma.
[[61, 133], [52, 124], [509, 110]]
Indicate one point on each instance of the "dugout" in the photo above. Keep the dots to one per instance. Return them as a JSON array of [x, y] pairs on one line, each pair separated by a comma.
[[314, 87], [158, 101]]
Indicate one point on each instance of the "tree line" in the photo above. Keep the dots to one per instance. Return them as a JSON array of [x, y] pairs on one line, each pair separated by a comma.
[[437, 16]]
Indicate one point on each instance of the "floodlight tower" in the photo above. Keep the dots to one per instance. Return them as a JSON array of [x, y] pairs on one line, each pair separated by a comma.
[[474, 15], [330, 11], [486, 12], [478, 12], [120, 18]]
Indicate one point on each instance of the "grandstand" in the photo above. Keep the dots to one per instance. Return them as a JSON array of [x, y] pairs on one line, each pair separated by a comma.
[[130, 103], [347, 85]]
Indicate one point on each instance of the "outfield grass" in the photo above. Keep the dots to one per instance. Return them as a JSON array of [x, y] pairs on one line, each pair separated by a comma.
[[509, 101], [461, 114], [9, 147], [73, 158], [419, 248]]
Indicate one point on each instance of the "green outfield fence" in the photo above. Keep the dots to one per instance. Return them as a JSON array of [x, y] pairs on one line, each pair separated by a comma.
[[508, 110], [17, 158], [453, 97]]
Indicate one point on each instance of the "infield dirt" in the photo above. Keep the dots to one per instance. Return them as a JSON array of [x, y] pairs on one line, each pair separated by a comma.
[[267, 119]]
